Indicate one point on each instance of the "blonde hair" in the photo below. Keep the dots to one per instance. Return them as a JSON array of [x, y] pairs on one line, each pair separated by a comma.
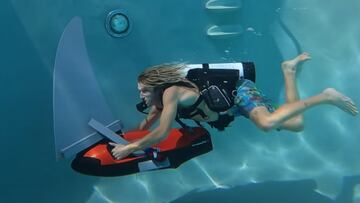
[[162, 74]]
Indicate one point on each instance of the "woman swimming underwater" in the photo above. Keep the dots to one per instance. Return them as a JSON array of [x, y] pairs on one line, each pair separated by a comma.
[[179, 95]]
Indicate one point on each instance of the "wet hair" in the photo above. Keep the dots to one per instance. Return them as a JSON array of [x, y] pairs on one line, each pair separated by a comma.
[[167, 73]]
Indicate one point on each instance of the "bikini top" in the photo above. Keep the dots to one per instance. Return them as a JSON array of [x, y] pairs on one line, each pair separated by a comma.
[[190, 111]]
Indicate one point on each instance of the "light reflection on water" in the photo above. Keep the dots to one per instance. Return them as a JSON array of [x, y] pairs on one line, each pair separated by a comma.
[[333, 41]]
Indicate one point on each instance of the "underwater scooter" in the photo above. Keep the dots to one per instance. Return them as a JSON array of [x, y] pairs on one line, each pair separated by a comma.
[[180, 145]]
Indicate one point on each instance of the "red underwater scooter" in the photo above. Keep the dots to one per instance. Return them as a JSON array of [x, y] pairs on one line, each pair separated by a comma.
[[180, 145]]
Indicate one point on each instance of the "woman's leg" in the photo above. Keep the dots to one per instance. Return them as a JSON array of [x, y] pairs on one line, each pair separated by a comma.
[[289, 69], [268, 121]]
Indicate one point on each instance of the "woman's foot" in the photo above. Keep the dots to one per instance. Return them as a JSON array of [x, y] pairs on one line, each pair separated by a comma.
[[341, 101], [290, 66]]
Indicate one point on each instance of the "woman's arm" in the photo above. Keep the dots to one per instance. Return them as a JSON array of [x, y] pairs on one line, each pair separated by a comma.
[[153, 115], [168, 114]]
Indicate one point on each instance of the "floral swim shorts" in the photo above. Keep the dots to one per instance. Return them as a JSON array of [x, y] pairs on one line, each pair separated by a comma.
[[248, 97]]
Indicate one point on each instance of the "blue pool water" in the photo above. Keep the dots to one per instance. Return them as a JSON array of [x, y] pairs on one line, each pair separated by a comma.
[[319, 164]]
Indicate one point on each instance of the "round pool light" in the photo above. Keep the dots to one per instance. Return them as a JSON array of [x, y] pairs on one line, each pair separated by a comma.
[[117, 24]]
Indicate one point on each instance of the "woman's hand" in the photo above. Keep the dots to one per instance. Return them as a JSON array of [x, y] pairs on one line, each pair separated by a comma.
[[120, 151]]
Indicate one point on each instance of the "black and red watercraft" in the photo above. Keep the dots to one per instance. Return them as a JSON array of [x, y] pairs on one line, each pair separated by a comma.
[[179, 146]]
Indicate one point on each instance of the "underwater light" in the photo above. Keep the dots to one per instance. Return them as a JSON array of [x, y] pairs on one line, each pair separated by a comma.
[[117, 24]]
